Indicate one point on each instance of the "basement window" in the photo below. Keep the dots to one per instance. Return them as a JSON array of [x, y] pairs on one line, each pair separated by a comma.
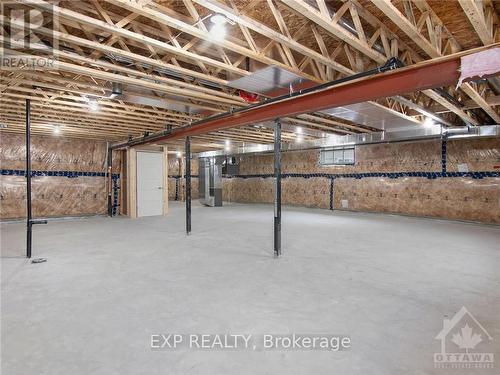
[[337, 156]]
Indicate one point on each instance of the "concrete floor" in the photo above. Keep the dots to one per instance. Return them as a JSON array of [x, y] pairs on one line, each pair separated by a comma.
[[386, 281]]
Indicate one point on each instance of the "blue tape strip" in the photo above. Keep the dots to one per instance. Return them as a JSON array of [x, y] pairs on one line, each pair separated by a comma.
[[177, 176], [429, 175], [331, 193], [115, 196], [69, 174], [176, 189], [443, 155]]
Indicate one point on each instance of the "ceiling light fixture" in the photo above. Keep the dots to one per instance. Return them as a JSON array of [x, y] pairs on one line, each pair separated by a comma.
[[117, 90], [93, 105], [218, 31], [57, 130], [179, 154], [218, 19], [429, 122]]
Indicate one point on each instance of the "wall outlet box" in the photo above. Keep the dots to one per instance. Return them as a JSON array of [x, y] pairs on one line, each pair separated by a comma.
[[344, 203], [463, 167]]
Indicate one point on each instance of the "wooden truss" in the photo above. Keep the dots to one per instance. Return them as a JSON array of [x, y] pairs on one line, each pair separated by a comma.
[[175, 72]]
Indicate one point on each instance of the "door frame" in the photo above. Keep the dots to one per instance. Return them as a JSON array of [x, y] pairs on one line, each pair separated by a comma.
[[132, 177]]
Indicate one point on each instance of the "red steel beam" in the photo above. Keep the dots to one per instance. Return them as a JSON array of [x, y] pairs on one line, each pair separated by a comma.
[[426, 75]]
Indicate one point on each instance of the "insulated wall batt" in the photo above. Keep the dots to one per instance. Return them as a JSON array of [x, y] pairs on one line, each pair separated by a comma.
[[308, 192], [483, 155], [463, 198], [55, 154], [176, 180], [451, 198], [387, 157], [54, 196]]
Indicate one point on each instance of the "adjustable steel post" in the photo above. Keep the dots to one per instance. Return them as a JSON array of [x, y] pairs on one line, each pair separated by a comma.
[[277, 188], [29, 221], [188, 184], [110, 180], [28, 180]]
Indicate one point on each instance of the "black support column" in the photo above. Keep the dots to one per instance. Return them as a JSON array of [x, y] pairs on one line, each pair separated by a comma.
[[187, 152], [29, 219], [110, 181], [29, 223], [277, 188]]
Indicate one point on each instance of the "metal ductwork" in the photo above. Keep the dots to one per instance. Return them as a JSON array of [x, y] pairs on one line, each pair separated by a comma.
[[362, 87], [171, 73], [210, 181], [417, 134], [116, 90]]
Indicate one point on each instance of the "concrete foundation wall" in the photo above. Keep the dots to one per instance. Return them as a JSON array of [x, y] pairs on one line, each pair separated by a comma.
[[463, 198]]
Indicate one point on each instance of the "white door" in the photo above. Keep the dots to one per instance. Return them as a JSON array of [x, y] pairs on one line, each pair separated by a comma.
[[149, 183]]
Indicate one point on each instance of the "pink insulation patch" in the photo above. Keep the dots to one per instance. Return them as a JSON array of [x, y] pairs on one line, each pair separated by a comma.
[[480, 64]]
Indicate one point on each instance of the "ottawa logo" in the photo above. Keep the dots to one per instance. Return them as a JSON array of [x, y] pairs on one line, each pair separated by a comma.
[[465, 343]]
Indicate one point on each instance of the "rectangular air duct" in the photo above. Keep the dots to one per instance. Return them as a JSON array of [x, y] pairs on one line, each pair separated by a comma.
[[266, 80], [210, 181]]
